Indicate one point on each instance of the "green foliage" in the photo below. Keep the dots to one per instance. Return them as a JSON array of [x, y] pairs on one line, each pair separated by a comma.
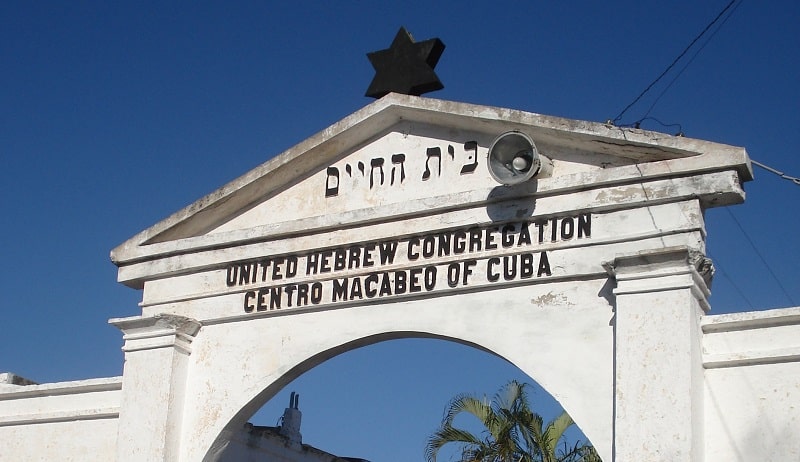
[[512, 431]]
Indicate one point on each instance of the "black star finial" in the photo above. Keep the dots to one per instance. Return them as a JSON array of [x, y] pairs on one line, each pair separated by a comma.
[[406, 66]]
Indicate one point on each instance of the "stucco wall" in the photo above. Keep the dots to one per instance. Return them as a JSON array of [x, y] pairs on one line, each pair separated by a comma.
[[752, 386], [60, 421], [81, 440]]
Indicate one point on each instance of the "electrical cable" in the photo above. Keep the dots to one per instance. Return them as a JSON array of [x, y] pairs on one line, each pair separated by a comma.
[[674, 62], [735, 286], [696, 53], [637, 124], [794, 180], [760, 256]]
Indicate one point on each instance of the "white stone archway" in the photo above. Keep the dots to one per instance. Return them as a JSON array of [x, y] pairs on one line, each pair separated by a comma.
[[587, 389], [389, 224]]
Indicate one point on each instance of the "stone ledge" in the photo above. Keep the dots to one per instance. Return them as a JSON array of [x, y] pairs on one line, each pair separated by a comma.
[[62, 388], [60, 416], [751, 338]]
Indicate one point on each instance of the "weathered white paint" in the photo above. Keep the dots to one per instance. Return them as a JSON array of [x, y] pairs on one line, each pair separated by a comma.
[[60, 421], [659, 300], [658, 379], [752, 385]]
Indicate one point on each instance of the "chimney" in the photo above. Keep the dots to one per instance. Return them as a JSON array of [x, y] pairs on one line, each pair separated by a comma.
[[290, 425]]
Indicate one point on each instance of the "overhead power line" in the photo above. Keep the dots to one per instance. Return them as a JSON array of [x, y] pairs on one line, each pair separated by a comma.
[[688, 63], [675, 61], [761, 257], [733, 284], [793, 179]]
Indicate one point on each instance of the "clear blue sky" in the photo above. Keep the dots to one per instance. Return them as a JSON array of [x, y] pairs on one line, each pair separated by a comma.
[[114, 116]]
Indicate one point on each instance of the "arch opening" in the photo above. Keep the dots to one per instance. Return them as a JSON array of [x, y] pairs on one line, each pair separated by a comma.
[[381, 397]]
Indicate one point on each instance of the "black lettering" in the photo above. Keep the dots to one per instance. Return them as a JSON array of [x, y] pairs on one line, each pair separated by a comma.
[[264, 264], [428, 246], [230, 278], [339, 260], [325, 261], [444, 244], [475, 240], [526, 265], [386, 285], [368, 249], [339, 290], [524, 235], [248, 297], [387, 252], [541, 224], [430, 278], [275, 294], [460, 242], [510, 267], [291, 266], [488, 242], [432, 152], [468, 265], [332, 187], [507, 236], [567, 228], [355, 289], [412, 243], [585, 225], [490, 272], [377, 162], [244, 274], [312, 264], [398, 159], [289, 292], [276, 268], [261, 304], [302, 294], [544, 265], [453, 274], [368, 285], [414, 283], [400, 282], [472, 157], [316, 293], [553, 229], [355, 257]]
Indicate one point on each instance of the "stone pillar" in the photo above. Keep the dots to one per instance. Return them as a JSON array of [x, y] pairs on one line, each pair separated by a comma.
[[658, 383], [157, 353]]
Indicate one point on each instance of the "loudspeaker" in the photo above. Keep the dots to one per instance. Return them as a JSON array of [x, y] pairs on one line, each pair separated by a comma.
[[513, 159]]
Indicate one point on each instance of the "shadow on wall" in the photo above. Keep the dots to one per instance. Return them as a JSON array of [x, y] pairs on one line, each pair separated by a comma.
[[509, 203]]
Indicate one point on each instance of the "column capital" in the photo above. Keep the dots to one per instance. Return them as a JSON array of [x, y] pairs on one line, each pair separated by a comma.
[[662, 269], [159, 331]]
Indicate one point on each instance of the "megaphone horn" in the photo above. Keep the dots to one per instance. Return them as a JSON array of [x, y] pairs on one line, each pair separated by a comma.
[[513, 159]]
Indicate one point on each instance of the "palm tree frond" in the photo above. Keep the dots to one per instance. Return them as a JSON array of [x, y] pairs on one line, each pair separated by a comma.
[[512, 432], [556, 428], [447, 435]]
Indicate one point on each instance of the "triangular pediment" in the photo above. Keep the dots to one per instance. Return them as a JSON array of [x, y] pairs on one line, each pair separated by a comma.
[[403, 156]]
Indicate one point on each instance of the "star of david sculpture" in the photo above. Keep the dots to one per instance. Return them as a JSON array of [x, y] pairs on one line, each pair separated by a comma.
[[405, 67]]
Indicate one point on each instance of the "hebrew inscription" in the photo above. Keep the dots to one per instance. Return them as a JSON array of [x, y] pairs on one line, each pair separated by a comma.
[[388, 171]]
